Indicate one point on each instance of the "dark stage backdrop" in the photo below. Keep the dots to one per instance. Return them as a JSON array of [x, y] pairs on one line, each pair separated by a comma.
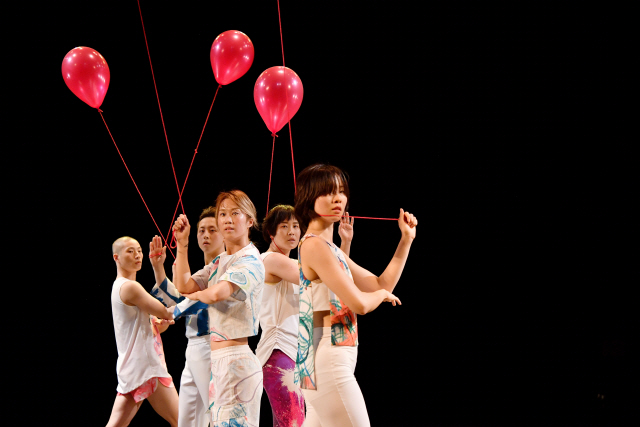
[[478, 119]]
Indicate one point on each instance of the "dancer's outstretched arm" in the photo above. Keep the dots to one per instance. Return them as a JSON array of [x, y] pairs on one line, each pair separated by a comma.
[[369, 282]]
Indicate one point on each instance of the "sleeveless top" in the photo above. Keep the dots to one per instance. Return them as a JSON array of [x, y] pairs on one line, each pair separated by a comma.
[[278, 318], [137, 358], [344, 328]]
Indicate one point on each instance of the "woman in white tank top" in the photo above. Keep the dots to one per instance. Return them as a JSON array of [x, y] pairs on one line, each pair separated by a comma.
[[328, 338]]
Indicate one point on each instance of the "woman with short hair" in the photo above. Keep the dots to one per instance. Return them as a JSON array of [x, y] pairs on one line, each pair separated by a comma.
[[232, 286], [333, 290]]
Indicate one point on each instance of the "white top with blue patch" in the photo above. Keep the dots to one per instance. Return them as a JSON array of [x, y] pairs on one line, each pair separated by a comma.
[[195, 312], [238, 315]]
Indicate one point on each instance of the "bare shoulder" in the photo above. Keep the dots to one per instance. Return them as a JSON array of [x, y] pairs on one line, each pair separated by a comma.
[[129, 291], [314, 251], [312, 244]]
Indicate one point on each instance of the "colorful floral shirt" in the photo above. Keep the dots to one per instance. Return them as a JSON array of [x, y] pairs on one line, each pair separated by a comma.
[[238, 315], [344, 327]]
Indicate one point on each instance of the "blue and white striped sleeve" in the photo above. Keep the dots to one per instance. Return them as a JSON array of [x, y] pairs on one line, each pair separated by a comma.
[[167, 293], [188, 307]]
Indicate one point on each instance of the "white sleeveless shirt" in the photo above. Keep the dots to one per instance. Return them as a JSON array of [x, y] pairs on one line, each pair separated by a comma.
[[278, 318], [137, 359]]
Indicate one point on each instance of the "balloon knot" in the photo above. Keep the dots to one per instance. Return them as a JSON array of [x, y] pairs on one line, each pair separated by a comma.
[[274, 135], [99, 110]]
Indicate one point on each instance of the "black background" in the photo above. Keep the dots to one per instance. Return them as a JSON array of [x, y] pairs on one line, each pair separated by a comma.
[[492, 124]]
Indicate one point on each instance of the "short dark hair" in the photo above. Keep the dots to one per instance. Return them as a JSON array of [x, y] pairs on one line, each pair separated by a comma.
[[209, 212], [315, 181], [277, 215]]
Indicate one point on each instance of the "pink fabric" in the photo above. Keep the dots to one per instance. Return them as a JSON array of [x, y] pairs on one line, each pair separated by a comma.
[[157, 345], [148, 388], [287, 401]]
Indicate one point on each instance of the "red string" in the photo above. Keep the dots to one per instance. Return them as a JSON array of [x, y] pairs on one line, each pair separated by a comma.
[[172, 245], [278, 247], [159, 107], [281, 43], [295, 187], [270, 171], [363, 217], [134, 182]]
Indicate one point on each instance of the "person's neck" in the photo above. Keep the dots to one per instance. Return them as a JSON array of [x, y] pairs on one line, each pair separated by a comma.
[[130, 275], [233, 247], [208, 258], [279, 250], [322, 228]]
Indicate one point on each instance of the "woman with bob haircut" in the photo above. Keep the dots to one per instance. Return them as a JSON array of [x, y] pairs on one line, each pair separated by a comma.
[[278, 344], [232, 286], [334, 289]]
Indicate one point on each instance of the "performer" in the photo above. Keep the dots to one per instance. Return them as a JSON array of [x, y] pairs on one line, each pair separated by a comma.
[[142, 373], [194, 382], [232, 286], [279, 313], [333, 290]]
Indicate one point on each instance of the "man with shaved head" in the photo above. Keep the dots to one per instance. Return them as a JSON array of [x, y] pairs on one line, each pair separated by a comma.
[[142, 373]]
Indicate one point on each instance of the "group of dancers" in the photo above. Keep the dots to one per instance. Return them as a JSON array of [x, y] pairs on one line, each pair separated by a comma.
[[306, 356]]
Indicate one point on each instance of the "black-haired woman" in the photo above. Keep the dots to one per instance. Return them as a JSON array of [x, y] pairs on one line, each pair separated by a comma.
[[333, 290]]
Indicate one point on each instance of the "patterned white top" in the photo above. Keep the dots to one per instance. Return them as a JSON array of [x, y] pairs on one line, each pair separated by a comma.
[[238, 315]]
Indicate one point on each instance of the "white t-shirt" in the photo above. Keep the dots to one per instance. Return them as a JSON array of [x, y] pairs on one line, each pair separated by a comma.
[[236, 316], [137, 358], [278, 318]]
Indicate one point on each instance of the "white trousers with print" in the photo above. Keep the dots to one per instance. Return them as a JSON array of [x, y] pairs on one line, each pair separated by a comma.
[[338, 401], [235, 389]]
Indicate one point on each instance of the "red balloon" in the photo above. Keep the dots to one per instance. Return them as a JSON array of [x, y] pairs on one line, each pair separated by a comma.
[[278, 95], [231, 56], [86, 73]]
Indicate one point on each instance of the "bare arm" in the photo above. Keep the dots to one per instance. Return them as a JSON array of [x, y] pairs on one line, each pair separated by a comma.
[[182, 279], [322, 263], [218, 292], [279, 267], [369, 282], [132, 293]]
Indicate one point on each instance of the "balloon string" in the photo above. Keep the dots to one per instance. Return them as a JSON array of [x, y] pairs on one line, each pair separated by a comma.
[[172, 244], [295, 187], [270, 171], [159, 107], [363, 217], [134, 182], [281, 43], [278, 247]]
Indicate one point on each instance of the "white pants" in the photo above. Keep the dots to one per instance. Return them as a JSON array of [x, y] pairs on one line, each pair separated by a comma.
[[338, 400], [235, 389], [194, 384]]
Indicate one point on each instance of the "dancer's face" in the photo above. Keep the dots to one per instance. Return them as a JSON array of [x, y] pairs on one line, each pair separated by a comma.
[[287, 234], [233, 224], [333, 204], [130, 256], [209, 239]]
